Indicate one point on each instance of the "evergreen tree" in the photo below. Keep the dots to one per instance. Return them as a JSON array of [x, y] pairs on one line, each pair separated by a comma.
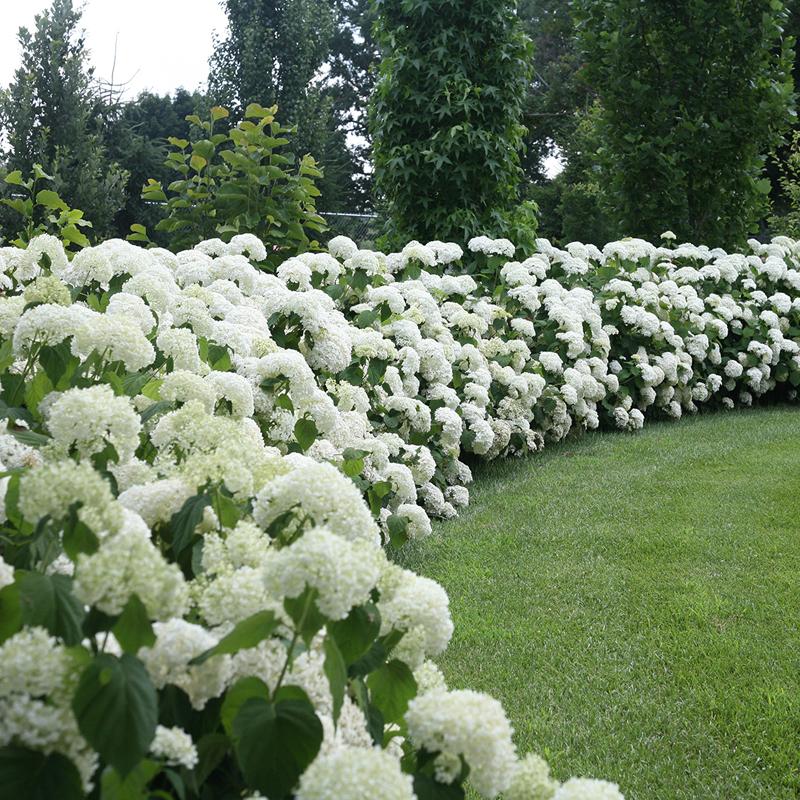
[[695, 94], [51, 115], [447, 119]]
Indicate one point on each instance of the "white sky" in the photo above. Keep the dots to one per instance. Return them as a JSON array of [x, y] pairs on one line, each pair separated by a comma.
[[163, 44]]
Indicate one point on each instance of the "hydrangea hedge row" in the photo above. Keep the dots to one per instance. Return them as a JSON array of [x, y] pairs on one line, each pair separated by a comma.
[[201, 461]]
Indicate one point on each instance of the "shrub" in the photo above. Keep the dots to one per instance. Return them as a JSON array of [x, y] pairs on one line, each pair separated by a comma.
[[240, 181], [42, 210], [201, 460]]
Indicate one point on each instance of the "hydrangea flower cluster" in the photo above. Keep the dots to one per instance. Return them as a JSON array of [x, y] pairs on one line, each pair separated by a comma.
[[202, 460]]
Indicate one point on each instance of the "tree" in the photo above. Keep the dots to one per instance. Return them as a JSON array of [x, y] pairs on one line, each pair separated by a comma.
[[447, 119], [353, 62], [273, 55], [694, 94], [52, 116], [137, 140], [557, 98]]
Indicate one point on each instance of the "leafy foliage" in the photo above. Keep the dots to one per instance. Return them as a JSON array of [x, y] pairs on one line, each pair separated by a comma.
[[694, 95], [274, 54], [240, 181], [446, 118], [51, 116], [42, 210]]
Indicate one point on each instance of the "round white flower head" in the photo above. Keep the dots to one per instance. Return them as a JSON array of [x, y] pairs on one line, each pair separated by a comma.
[[470, 725], [51, 489], [167, 661], [531, 780], [320, 492], [588, 789], [129, 563], [343, 572], [174, 746], [342, 247], [355, 773], [92, 418], [420, 607]]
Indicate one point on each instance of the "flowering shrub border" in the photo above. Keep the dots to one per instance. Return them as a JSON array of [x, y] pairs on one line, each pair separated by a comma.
[[201, 461]]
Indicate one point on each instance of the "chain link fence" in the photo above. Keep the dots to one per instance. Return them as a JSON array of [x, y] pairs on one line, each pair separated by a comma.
[[363, 229]]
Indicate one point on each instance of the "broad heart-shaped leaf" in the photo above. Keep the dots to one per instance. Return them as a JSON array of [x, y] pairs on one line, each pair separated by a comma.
[[398, 530], [275, 742], [243, 690], [32, 775], [133, 629], [336, 673], [247, 633], [391, 688], [47, 601], [356, 633], [305, 431], [116, 707]]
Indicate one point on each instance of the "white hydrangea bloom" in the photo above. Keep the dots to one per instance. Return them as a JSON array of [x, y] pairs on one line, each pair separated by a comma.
[[343, 572], [355, 773], [470, 725], [174, 746]]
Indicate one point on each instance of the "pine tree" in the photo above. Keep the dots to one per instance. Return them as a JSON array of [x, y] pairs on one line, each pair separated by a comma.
[[51, 115]]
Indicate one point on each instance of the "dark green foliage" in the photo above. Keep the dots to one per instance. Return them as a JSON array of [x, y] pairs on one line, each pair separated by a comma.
[[240, 181], [273, 55], [137, 141], [446, 118], [51, 115], [353, 64], [694, 94], [557, 95]]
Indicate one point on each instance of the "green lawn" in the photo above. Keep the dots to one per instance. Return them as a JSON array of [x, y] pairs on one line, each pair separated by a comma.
[[634, 602]]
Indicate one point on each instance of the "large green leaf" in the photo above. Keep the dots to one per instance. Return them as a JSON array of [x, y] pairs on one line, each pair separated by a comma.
[[47, 601], [391, 688], [243, 690], [31, 775], [355, 634], [116, 707], [336, 673], [132, 787], [306, 433], [133, 629], [184, 522], [275, 742]]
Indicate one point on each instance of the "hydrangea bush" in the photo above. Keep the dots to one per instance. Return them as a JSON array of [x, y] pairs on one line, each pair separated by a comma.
[[203, 457]]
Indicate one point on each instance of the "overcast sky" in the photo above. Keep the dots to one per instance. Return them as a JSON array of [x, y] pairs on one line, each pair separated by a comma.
[[162, 44]]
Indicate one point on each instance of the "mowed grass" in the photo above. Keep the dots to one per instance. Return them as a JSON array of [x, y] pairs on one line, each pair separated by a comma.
[[634, 602]]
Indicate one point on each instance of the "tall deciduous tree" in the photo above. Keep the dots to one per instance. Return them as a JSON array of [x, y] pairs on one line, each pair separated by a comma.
[[694, 95], [447, 119], [277, 53], [51, 115]]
